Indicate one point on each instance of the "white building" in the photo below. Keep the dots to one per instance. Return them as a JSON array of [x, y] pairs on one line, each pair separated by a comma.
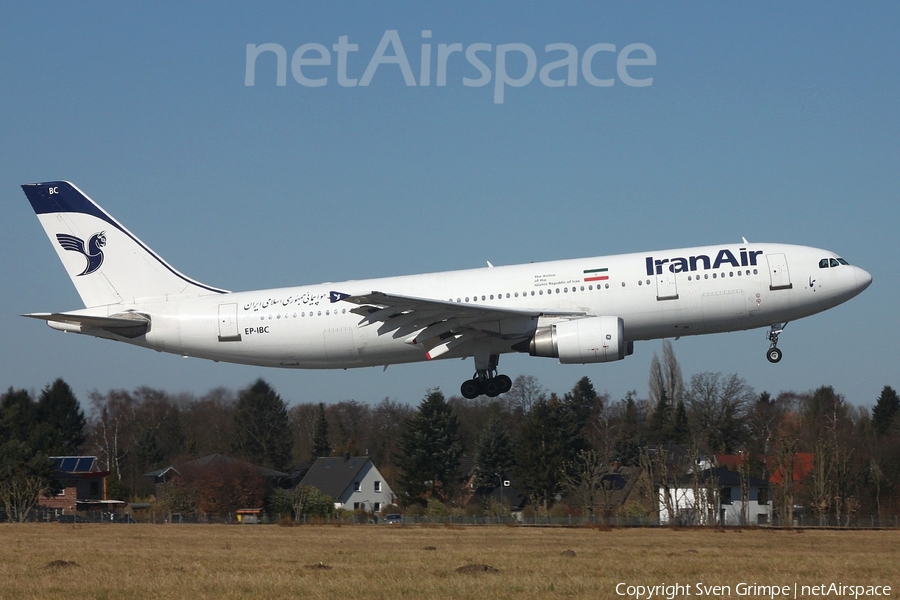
[[714, 498], [354, 483]]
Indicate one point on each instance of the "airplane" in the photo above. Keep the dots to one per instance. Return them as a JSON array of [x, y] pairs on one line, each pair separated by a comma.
[[588, 310]]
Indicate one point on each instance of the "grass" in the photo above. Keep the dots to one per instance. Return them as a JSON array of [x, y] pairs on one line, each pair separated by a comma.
[[246, 561]]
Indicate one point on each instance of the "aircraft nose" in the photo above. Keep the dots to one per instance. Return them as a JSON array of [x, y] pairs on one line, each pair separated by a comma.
[[863, 279]]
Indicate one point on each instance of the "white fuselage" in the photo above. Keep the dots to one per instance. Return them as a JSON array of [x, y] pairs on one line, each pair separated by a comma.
[[657, 294]]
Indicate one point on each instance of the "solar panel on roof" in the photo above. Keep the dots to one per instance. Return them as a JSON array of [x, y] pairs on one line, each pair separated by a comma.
[[75, 464]]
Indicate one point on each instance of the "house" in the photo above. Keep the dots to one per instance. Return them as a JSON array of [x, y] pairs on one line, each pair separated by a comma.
[[214, 486], [82, 487], [714, 496], [354, 483], [213, 463], [799, 468], [624, 492], [503, 493]]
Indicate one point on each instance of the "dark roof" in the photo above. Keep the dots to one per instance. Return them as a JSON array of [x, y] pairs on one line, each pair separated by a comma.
[[725, 477], [160, 472], [508, 495], [216, 461], [332, 475]]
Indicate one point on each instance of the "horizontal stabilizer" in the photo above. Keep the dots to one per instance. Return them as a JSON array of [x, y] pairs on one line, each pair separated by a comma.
[[128, 324]]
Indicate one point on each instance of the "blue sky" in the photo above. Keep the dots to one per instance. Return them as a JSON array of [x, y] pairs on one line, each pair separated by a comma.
[[774, 122]]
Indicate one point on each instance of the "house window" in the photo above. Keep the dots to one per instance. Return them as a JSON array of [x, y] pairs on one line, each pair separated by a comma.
[[763, 497], [377, 486], [355, 486], [95, 489], [376, 507], [356, 506], [725, 496]]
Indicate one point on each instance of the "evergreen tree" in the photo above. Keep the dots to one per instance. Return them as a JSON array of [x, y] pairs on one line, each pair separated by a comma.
[[660, 426], [429, 451], [60, 412], [26, 471], [263, 435], [18, 416], [631, 438], [321, 446], [548, 439], [583, 400], [885, 411], [25, 475], [681, 431], [493, 457]]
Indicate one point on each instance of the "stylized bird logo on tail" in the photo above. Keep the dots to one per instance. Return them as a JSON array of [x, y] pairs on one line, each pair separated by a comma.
[[93, 253]]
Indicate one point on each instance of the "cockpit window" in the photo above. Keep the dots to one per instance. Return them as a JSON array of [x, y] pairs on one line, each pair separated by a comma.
[[832, 262]]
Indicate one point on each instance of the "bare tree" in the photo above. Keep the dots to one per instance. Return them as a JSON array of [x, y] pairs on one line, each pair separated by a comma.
[[718, 406], [583, 476], [785, 462], [20, 492], [525, 391], [666, 377]]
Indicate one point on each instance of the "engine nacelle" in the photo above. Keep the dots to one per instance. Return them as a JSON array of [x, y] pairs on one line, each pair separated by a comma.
[[588, 340]]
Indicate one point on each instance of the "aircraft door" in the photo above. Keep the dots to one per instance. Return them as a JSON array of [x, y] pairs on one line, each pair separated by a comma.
[[228, 323], [666, 288], [780, 277]]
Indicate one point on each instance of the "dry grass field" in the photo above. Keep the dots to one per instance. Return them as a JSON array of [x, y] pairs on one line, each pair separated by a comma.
[[49, 561]]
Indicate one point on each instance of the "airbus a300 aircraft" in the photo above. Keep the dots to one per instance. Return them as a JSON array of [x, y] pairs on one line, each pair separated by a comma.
[[587, 310]]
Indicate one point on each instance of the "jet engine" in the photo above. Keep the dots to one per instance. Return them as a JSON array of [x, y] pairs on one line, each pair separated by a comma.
[[588, 340]]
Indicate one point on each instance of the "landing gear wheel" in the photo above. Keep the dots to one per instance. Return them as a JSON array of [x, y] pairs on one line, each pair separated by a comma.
[[470, 389], [505, 383], [486, 380], [774, 354], [492, 387]]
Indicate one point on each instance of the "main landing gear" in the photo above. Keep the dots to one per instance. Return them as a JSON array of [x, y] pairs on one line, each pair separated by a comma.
[[486, 380], [774, 354]]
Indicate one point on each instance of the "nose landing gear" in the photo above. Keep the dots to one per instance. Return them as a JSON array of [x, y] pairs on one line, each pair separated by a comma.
[[486, 380], [773, 354]]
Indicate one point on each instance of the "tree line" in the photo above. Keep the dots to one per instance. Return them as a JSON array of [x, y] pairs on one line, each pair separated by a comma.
[[554, 446]]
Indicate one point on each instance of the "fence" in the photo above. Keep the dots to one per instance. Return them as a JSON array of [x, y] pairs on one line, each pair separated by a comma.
[[159, 518]]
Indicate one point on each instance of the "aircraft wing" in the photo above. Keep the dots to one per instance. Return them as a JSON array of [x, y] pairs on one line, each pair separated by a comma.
[[128, 324], [440, 326]]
